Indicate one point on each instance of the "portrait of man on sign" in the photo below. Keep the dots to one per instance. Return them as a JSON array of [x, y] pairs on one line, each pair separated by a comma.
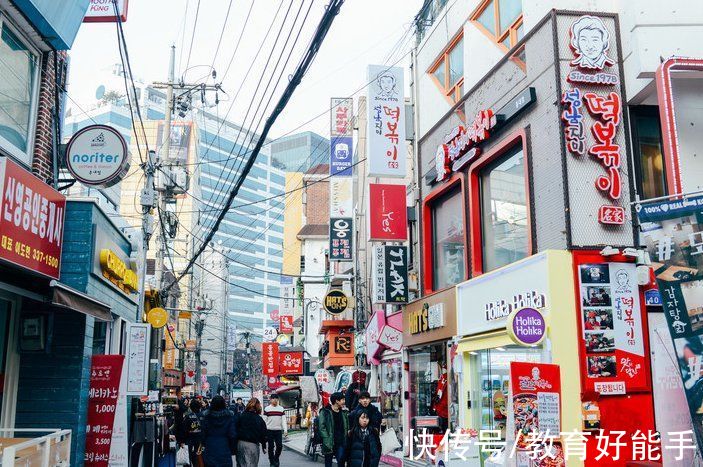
[[590, 41]]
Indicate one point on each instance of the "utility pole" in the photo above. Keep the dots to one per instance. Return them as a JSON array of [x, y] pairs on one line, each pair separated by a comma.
[[147, 199], [250, 376]]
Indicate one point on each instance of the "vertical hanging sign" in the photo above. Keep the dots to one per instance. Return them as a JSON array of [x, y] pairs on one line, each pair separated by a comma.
[[341, 182], [390, 274], [387, 213], [105, 375], [341, 241], [386, 150]]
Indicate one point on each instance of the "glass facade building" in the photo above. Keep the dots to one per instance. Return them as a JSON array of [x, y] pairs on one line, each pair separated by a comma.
[[299, 152]]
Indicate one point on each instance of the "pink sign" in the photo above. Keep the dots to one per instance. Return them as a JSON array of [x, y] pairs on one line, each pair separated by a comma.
[[373, 332]]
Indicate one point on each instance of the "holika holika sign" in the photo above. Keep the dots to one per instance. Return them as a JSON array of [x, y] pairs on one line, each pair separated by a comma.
[[390, 274], [672, 231]]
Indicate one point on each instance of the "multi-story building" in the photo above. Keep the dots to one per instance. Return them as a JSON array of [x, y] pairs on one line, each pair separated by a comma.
[[513, 110], [299, 152]]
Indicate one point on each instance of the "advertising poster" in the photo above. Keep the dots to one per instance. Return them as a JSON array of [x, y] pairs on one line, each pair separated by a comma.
[[105, 374], [31, 220], [341, 240], [138, 341], [612, 323], [387, 213], [535, 389], [672, 232], [285, 325], [386, 122]]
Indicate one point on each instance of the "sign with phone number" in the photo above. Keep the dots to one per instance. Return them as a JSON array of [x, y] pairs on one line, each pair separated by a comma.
[[31, 220]]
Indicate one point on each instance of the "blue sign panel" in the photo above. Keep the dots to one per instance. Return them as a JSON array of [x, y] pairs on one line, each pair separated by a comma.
[[341, 156], [652, 298]]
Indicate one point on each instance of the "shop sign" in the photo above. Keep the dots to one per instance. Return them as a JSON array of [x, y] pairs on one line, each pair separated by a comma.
[[390, 274], [387, 213], [31, 220], [336, 302], [612, 323], [287, 303], [285, 325], [673, 234], [527, 327], [116, 271], [343, 344], [105, 374], [283, 340], [290, 363], [604, 107], [171, 378], [190, 345], [341, 196], [535, 389], [341, 238], [270, 334], [341, 123], [157, 317], [459, 147], [97, 155], [103, 11], [273, 314], [269, 351], [373, 333], [325, 380], [386, 122], [138, 345], [391, 338], [190, 371], [341, 156], [427, 318]]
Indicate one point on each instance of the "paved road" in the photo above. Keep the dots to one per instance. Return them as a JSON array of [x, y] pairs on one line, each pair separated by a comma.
[[288, 459]]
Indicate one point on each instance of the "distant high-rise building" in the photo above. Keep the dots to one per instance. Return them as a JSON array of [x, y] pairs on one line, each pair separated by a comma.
[[299, 152]]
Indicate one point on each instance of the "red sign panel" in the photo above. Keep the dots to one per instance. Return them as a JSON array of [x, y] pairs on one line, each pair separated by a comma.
[[290, 363], [388, 215], [270, 356], [31, 220], [285, 324], [105, 373], [536, 393]]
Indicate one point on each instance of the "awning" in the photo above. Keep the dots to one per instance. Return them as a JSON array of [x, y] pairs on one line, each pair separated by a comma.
[[63, 296]]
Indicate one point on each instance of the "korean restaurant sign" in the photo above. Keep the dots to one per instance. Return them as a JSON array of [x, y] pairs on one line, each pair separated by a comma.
[[591, 121], [341, 142], [612, 337], [97, 155], [386, 122], [105, 375], [390, 274], [342, 123], [387, 213], [31, 220], [269, 351], [290, 363], [672, 231], [341, 238]]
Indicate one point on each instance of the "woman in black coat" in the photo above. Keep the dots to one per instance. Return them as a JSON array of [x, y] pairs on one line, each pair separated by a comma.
[[219, 434], [363, 444]]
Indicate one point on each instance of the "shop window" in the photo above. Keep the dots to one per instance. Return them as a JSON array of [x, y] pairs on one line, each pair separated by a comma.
[[647, 149], [501, 20], [428, 374], [448, 255], [391, 373], [18, 93], [448, 71], [490, 371], [504, 212]]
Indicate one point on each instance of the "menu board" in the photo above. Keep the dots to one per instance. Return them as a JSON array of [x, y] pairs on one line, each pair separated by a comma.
[[105, 374], [612, 331]]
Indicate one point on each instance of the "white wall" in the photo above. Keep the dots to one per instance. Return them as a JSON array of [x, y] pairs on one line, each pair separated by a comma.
[[313, 315], [688, 106], [314, 252]]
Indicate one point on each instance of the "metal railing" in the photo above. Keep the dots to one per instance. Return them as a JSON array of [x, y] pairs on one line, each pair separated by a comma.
[[50, 450]]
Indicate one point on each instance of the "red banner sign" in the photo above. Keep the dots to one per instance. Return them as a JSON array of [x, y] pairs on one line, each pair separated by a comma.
[[536, 393], [388, 215], [31, 220], [290, 363], [285, 324], [270, 356], [105, 373]]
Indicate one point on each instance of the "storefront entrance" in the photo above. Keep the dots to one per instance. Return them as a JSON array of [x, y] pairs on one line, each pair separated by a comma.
[[428, 375]]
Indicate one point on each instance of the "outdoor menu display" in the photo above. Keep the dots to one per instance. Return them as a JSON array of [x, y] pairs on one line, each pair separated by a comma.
[[672, 231], [611, 320], [105, 374]]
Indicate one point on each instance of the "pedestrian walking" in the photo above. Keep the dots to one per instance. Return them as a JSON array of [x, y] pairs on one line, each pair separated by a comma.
[[238, 407], [276, 427], [219, 434], [365, 406], [251, 430], [192, 432], [357, 386], [334, 425], [363, 444]]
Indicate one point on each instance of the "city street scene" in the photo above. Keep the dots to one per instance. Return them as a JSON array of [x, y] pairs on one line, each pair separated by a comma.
[[354, 233]]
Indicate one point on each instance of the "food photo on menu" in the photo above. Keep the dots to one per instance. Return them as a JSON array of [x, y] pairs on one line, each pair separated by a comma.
[[601, 366]]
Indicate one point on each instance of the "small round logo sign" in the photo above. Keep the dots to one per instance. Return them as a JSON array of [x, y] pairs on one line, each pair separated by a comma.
[[157, 317], [97, 155], [527, 327], [335, 302], [270, 334]]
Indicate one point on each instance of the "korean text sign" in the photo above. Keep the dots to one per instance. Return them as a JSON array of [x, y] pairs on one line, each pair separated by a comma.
[[672, 231], [536, 399], [613, 333], [290, 363], [31, 220], [105, 374], [390, 274], [388, 215], [269, 351], [341, 238], [386, 122]]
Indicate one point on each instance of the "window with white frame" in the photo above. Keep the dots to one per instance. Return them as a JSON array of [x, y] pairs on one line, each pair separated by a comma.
[[19, 88]]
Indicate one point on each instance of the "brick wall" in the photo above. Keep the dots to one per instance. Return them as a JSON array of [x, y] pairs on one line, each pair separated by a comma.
[[317, 208]]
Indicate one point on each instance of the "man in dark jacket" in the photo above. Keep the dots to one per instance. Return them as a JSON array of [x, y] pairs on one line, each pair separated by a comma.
[[334, 425], [191, 430], [238, 407], [363, 444], [219, 434], [365, 406]]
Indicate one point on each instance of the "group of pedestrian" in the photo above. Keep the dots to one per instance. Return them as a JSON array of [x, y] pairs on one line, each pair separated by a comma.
[[351, 438], [216, 435]]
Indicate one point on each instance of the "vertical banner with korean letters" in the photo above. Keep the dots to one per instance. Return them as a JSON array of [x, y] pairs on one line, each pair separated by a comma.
[[341, 229], [613, 334], [31, 220], [389, 271], [269, 351], [386, 152], [387, 213], [105, 376], [672, 232]]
